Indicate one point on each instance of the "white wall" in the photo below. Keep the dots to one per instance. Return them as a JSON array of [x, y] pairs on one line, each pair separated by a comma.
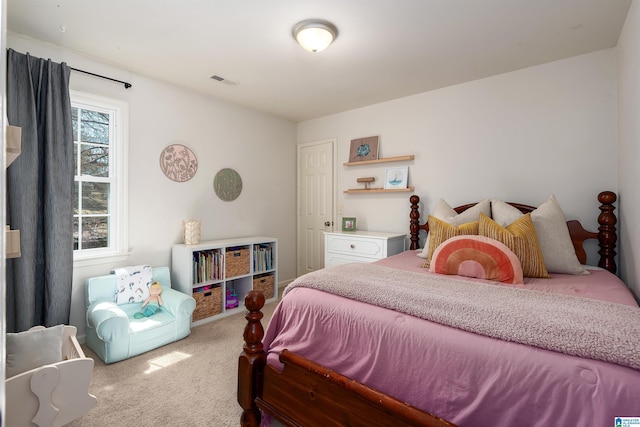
[[628, 52], [259, 146], [519, 136]]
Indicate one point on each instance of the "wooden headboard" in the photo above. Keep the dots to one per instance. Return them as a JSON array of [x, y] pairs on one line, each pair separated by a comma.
[[607, 236]]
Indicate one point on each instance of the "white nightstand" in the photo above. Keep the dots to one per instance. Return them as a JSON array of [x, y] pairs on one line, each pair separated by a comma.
[[360, 246]]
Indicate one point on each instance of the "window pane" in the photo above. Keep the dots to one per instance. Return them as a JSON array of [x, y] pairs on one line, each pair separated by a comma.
[[76, 233], [75, 159], [94, 127], [95, 160], [95, 232], [95, 198], [74, 120], [76, 188]]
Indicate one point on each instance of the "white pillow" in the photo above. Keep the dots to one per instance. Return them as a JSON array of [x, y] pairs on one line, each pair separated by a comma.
[[552, 231], [446, 213], [133, 283], [34, 348]]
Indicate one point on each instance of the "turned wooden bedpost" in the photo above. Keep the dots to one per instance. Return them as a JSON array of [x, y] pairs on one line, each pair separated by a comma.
[[252, 360], [607, 235], [414, 222]]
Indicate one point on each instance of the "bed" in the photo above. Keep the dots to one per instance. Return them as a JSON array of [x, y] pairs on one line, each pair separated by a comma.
[[556, 350]]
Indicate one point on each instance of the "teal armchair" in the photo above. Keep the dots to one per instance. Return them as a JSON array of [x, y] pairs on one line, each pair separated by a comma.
[[112, 331]]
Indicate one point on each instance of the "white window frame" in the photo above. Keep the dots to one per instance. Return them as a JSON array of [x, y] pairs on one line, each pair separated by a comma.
[[118, 177]]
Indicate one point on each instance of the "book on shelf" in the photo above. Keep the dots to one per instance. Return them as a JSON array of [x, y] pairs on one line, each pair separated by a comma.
[[262, 257], [207, 266]]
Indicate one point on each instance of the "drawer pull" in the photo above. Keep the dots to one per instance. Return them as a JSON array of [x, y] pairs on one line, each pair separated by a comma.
[[353, 246]]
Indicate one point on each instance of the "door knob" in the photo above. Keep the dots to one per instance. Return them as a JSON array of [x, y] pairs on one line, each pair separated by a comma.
[[328, 223]]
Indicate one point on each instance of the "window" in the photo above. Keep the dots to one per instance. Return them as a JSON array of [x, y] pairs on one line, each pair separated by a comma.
[[100, 147]]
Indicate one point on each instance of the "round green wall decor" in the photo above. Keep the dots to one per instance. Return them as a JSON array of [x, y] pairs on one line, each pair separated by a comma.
[[227, 184]]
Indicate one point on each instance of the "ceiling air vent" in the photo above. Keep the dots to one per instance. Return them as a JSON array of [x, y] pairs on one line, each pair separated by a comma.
[[223, 80]]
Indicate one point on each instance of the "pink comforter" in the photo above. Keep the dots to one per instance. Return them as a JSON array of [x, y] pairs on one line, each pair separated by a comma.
[[469, 379]]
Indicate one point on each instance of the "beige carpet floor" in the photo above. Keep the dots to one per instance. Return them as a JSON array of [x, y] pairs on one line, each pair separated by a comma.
[[191, 382]]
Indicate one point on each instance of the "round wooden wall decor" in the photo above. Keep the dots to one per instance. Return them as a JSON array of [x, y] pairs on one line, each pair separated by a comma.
[[178, 162], [227, 184]]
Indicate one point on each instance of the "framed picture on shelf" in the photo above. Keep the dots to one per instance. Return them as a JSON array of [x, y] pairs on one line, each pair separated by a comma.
[[348, 224], [396, 178], [363, 149]]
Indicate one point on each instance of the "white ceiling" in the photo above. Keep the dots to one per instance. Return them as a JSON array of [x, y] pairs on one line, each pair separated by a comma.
[[385, 49]]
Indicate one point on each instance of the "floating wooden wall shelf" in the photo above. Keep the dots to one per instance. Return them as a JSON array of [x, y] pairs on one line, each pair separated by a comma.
[[13, 148], [13, 143], [383, 160], [379, 190]]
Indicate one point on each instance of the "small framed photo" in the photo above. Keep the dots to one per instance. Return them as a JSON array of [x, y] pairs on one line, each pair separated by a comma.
[[396, 178], [363, 149], [348, 224]]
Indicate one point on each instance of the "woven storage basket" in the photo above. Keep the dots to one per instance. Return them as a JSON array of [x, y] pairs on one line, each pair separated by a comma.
[[264, 284], [236, 262], [208, 303]]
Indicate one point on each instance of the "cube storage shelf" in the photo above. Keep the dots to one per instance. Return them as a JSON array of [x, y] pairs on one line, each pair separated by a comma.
[[209, 269]]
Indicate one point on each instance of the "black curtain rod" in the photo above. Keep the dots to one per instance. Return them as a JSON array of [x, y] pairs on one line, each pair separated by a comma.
[[126, 85]]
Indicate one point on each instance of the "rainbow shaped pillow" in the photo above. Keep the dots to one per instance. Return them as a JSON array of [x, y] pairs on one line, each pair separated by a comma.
[[477, 256]]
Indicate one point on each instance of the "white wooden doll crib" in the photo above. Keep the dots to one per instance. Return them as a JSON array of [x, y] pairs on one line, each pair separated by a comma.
[[53, 394]]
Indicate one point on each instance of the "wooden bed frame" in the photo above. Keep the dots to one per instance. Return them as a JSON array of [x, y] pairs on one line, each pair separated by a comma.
[[307, 394]]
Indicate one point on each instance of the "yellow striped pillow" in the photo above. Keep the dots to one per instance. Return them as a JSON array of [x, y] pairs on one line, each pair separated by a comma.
[[439, 231], [519, 236]]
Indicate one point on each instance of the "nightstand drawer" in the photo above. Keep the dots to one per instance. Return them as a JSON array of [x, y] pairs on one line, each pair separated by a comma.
[[352, 245], [361, 246]]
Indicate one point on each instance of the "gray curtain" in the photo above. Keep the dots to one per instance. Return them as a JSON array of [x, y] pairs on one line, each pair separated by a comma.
[[40, 193]]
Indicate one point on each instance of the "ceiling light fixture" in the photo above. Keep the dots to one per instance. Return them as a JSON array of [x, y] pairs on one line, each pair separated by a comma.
[[314, 35]]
